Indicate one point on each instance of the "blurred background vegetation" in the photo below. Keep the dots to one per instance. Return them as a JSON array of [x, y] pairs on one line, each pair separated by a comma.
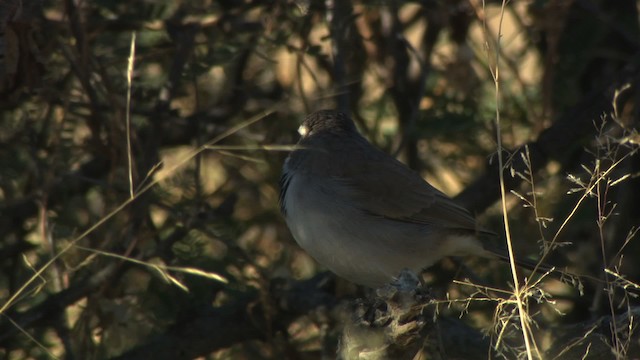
[[154, 231]]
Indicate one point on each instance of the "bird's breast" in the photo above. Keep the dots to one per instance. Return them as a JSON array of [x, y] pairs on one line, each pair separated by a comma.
[[355, 244]]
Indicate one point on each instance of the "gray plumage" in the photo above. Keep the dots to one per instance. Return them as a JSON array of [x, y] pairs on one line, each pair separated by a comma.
[[362, 213]]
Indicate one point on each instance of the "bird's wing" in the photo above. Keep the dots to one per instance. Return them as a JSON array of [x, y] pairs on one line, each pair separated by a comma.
[[383, 186]]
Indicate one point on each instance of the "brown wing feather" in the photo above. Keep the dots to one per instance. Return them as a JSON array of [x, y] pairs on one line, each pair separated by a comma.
[[403, 195], [381, 185]]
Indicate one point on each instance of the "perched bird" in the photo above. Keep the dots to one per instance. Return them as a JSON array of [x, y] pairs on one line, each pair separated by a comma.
[[362, 213]]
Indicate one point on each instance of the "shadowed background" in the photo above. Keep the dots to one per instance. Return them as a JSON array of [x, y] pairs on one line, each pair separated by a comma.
[[416, 78]]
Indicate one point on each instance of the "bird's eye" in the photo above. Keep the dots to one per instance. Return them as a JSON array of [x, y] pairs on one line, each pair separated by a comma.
[[303, 130]]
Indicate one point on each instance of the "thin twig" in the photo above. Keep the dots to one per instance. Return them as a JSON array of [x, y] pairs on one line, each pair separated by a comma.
[[516, 282], [132, 55], [171, 171]]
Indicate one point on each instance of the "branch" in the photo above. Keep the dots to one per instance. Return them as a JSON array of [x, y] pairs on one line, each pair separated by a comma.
[[51, 309], [241, 320], [567, 134]]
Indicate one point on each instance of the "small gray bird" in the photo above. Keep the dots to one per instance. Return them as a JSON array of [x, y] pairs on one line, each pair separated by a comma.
[[362, 213]]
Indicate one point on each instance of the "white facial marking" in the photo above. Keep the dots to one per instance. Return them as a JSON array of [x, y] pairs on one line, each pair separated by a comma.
[[303, 130]]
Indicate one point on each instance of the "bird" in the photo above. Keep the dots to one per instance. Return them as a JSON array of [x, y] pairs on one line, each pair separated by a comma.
[[362, 213]]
